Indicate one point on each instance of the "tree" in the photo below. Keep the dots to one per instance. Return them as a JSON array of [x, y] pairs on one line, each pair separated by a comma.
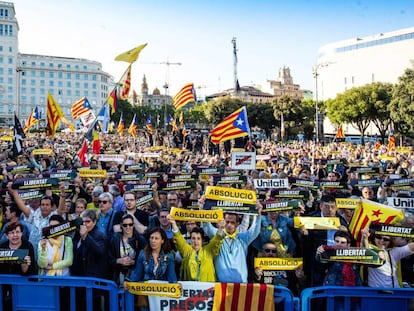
[[402, 103], [380, 97], [261, 115], [354, 106], [217, 110]]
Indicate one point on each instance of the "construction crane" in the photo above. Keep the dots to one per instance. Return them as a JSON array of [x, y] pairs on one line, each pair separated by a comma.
[[166, 86]]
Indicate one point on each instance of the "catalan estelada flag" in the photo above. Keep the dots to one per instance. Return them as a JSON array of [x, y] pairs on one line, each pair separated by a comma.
[[125, 84], [133, 127], [149, 125], [121, 125], [80, 108], [34, 118], [234, 126], [185, 96], [370, 211], [172, 122], [243, 297], [54, 115]]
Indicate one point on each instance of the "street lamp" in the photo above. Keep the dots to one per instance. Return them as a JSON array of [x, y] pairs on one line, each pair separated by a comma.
[[18, 71], [165, 86], [315, 75]]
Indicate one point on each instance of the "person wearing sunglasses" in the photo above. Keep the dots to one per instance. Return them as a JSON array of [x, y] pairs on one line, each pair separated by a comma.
[[385, 275], [106, 214], [124, 248]]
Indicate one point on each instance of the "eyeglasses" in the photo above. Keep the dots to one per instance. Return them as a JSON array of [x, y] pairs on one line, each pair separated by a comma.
[[380, 237], [128, 225], [127, 200], [103, 202], [267, 250], [87, 221]]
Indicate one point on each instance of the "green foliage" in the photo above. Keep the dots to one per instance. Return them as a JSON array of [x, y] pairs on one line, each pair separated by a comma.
[[402, 104]]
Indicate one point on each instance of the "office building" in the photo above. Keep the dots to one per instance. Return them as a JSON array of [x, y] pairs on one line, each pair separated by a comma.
[[26, 79]]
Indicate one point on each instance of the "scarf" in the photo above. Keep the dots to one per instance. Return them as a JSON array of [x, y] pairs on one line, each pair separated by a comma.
[[348, 275], [231, 236], [56, 243], [280, 247]]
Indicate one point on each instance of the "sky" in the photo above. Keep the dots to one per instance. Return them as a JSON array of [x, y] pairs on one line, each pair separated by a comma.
[[197, 34]]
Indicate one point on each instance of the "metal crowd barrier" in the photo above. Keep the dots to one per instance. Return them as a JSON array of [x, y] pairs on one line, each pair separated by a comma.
[[58, 293], [338, 298]]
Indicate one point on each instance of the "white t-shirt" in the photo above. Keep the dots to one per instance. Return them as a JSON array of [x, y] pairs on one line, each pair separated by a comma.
[[381, 276]]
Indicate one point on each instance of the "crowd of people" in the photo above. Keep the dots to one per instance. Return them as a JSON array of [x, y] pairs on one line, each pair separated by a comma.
[[126, 232]]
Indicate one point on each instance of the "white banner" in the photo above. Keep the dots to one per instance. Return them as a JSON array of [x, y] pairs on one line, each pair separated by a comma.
[[112, 158], [195, 296], [400, 202], [273, 183], [243, 160]]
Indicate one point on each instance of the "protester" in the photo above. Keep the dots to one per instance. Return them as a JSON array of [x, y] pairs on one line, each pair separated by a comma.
[[55, 254], [197, 264], [124, 248]]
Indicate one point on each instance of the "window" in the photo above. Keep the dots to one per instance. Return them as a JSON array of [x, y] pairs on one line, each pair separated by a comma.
[[42, 82], [1, 60], [42, 64], [33, 82], [11, 50], [33, 73], [68, 92], [77, 93], [68, 84], [1, 70], [42, 74], [24, 82], [34, 64], [85, 85], [10, 30], [68, 75], [33, 100], [33, 90], [68, 66], [77, 85], [10, 80], [51, 74], [94, 77], [60, 84], [77, 76], [23, 99], [10, 60], [51, 83], [1, 48], [23, 90], [51, 65], [42, 91], [60, 75], [85, 76], [94, 86]]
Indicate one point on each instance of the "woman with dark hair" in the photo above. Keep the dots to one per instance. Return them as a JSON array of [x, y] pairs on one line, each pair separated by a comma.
[[156, 260], [14, 235], [55, 254], [197, 264], [124, 248], [385, 275]]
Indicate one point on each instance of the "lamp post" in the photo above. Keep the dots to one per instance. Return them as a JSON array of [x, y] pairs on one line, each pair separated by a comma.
[[165, 86], [315, 75], [18, 71]]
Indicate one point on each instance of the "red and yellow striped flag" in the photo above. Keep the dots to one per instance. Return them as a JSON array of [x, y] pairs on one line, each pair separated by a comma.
[[54, 115], [243, 297], [370, 211]]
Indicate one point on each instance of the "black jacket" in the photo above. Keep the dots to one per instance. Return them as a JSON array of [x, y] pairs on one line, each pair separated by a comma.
[[137, 242], [91, 255]]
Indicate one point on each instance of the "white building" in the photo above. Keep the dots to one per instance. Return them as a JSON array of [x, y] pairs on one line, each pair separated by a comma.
[[359, 61], [25, 79]]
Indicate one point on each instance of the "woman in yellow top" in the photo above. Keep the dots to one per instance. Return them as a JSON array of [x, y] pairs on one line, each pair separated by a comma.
[[198, 261]]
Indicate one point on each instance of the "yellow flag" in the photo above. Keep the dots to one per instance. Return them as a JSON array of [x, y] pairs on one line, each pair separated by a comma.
[[54, 115], [131, 55]]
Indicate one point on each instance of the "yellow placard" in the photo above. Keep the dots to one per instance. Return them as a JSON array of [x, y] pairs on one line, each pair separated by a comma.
[[154, 289], [317, 223], [230, 194], [196, 215], [85, 172], [261, 165], [42, 151], [270, 263], [6, 138], [349, 203]]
